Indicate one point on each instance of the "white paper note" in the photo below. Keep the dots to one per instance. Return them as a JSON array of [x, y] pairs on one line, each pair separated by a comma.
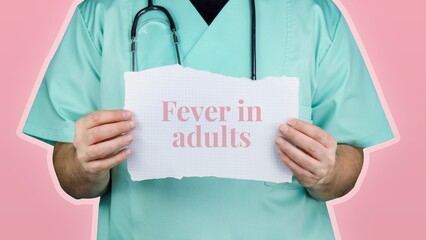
[[193, 123]]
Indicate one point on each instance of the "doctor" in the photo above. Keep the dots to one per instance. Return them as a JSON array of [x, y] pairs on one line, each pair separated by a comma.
[[340, 114]]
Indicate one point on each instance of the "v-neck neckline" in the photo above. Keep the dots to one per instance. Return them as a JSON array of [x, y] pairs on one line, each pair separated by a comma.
[[201, 22], [220, 43], [209, 9], [219, 14]]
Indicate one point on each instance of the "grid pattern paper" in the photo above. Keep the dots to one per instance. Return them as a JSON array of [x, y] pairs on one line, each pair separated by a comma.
[[192, 123]]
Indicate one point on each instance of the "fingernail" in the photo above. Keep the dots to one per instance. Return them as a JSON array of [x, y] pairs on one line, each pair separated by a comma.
[[127, 151], [284, 128], [128, 138], [291, 122], [279, 140], [132, 124], [127, 114]]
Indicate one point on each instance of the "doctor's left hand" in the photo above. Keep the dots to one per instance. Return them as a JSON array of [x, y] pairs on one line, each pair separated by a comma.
[[308, 151]]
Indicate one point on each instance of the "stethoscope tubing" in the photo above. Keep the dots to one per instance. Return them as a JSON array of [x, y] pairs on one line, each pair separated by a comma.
[[152, 7], [253, 39]]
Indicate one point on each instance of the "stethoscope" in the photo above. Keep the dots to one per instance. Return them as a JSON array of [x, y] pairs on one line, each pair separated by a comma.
[[172, 25]]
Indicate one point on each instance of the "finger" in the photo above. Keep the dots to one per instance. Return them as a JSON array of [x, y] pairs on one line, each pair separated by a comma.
[[104, 149], [105, 116], [302, 174], [312, 131], [300, 158], [108, 131], [306, 143], [108, 163]]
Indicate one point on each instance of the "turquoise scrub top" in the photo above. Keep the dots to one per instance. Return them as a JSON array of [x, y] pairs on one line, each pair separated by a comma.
[[303, 38]]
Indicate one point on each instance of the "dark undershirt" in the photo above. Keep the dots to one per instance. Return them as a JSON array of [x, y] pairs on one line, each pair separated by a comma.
[[209, 9]]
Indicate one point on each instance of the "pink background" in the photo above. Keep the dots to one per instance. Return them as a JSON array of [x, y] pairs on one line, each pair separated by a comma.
[[389, 204]]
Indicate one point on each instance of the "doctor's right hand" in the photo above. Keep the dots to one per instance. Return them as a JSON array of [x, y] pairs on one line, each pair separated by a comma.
[[100, 137]]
